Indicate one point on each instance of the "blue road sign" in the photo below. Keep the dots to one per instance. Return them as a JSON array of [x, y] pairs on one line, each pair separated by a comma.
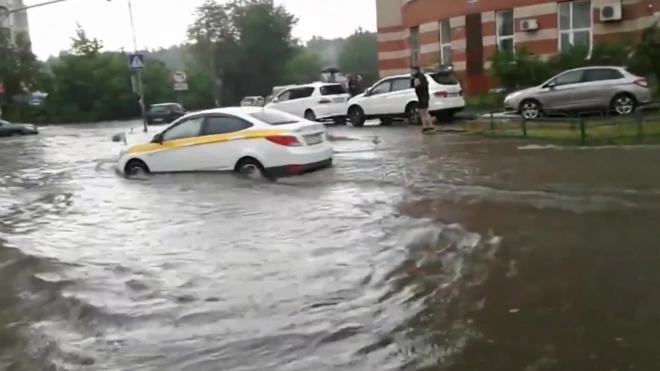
[[136, 61]]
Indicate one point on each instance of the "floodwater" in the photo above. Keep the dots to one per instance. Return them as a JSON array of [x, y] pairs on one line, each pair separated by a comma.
[[413, 253]]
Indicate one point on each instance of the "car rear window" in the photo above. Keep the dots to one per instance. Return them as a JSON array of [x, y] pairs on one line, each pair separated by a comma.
[[334, 89], [274, 117], [157, 109], [444, 78], [248, 100]]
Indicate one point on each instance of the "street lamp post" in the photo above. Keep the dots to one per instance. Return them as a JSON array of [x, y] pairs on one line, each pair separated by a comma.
[[139, 72]]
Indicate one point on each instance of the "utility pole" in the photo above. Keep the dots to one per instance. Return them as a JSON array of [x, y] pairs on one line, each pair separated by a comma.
[[139, 72], [213, 72]]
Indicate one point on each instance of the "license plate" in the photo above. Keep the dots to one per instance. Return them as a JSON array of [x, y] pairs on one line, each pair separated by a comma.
[[452, 95], [313, 139]]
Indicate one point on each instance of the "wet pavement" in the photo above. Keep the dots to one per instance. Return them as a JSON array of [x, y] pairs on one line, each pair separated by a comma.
[[442, 252]]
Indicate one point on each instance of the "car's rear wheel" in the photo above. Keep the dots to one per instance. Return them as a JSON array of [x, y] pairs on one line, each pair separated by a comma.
[[309, 115], [412, 114], [250, 167], [136, 167], [356, 115], [624, 104], [530, 109]]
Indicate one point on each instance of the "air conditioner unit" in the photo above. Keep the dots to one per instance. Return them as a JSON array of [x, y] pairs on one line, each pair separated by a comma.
[[529, 25], [610, 13]]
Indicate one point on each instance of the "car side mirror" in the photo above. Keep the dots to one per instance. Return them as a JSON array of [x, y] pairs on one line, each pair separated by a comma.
[[158, 138], [367, 92], [275, 100], [551, 85]]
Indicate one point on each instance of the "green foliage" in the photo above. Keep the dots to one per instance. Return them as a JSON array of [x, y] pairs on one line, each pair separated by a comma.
[[519, 69], [234, 49], [360, 55], [303, 67]]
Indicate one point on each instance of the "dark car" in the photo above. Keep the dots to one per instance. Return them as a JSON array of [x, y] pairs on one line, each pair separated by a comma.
[[7, 129], [164, 112]]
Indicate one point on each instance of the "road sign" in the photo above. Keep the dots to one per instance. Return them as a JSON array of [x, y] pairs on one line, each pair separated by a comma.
[[136, 61], [180, 77], [180, 86]]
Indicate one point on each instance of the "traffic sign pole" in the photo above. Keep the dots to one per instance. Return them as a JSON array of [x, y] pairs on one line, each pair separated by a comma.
[[131, 62]]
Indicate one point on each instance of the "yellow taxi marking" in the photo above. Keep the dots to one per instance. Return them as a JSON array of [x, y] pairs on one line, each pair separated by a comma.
[[206, 139]]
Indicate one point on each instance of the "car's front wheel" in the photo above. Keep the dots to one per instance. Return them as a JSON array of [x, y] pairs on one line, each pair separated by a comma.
[[136, 167], [530, 109]]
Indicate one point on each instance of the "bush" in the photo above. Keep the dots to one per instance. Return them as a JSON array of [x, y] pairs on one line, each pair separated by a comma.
[[519, 69]]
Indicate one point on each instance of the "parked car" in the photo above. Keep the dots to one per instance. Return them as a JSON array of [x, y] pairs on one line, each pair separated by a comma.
[[394, 98], [319, 101], [588, 88], [257, 101], [240, 139], [7, 129], [164, 112]]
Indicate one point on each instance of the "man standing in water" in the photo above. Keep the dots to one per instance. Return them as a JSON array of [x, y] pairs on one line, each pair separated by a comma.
[[421, 85]]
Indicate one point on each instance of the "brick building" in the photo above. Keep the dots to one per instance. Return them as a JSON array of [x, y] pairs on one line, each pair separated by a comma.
[[465, 33]]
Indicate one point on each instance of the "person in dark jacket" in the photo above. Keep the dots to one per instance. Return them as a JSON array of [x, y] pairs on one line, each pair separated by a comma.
[[421, 86]]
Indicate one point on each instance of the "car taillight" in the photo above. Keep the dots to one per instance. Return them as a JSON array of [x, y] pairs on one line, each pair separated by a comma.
[[642, 82], [284, 140], [440, 94], [324, 101]]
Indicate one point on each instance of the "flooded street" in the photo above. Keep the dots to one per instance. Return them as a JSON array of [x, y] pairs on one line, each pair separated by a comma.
[[441, 252]]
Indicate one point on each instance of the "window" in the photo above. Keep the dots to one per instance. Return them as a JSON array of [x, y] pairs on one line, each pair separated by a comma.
[[601, 74], [445, 42], [574, 24], [158, 109], [383, 87], [273, 117], [186, 129], [301, 93], [570, 77], [332, 90], [284, 96], [224, 125], [414, 46], [400, 84], [444, 78], [504, 20]]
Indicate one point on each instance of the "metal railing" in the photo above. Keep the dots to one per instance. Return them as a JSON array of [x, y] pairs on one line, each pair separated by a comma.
[[591, 127]]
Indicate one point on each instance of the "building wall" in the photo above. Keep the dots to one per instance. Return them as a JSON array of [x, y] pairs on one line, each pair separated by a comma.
[[394, 31], [16, 22]]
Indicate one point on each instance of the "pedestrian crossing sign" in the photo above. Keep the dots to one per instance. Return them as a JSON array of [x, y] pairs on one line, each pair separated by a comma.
[[136, 61]]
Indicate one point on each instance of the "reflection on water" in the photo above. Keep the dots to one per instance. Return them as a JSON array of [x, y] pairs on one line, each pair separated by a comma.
[[428, 253]]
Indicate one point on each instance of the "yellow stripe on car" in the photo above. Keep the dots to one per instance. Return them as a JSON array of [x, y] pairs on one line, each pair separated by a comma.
[[206, 139]]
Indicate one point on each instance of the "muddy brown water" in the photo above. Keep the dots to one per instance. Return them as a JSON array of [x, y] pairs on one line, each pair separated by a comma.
[[442, 252]]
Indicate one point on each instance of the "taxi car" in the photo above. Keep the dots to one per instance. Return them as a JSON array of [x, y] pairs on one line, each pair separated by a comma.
[[241, 139]]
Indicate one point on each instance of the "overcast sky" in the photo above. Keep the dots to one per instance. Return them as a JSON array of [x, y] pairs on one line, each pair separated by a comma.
[[161, 23]]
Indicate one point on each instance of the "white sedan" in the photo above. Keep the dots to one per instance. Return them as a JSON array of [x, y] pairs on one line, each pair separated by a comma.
[[241, 139]]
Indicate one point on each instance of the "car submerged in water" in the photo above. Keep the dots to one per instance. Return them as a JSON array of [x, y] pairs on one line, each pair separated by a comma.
[[241, 139], [8, 129]]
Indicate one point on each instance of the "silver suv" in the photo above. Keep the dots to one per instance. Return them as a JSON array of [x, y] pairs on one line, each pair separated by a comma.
[[598, 87]]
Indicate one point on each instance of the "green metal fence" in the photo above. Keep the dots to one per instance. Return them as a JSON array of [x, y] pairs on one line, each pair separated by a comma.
[[586, 128]]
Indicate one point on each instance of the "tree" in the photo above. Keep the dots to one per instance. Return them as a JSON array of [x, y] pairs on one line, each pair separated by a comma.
[[19, 68], [360, 55], [245, 43], [305, 66]]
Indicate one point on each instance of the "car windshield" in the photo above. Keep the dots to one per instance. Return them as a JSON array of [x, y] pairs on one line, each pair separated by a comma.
[[273, 117]]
